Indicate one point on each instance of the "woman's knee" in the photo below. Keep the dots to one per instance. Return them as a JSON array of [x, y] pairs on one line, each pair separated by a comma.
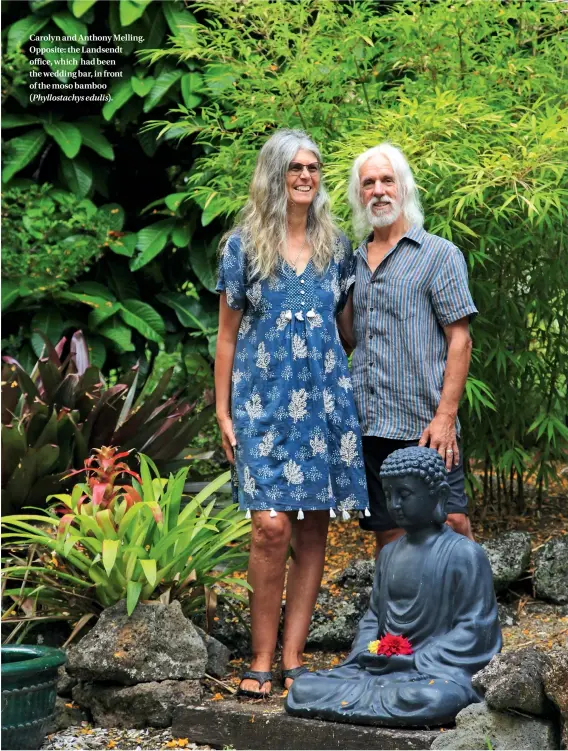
[[270, 531]]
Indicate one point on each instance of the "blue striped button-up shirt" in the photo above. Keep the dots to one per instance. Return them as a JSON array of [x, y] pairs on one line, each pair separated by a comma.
[[399, 313]]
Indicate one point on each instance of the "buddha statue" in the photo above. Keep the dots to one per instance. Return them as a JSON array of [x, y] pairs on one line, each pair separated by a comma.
[[434, 588]]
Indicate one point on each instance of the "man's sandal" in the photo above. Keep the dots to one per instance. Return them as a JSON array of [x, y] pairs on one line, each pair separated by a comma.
[[293, 673], [261, 677]]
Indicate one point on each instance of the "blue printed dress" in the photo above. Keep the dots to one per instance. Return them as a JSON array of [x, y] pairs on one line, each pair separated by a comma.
[[294, 417]]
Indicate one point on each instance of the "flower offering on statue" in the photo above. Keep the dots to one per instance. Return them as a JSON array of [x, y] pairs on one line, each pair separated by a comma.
[[390, 645]]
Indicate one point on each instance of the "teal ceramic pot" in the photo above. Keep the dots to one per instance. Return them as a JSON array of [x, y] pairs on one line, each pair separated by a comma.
[[29, 678]]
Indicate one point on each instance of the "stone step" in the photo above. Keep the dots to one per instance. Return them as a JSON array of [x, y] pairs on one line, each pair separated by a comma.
[[265, 725]]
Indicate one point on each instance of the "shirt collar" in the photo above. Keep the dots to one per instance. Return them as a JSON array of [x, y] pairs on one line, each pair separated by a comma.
[[414, 233]]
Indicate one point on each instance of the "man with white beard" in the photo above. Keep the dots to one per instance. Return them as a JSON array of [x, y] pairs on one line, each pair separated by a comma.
[[411, 313]]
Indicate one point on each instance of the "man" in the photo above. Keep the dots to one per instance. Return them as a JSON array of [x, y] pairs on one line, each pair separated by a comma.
[[412, 308]]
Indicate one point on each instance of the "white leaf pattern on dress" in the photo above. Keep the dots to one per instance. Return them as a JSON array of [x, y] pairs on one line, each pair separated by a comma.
[[298, 403], [245, 326], [344, 382], [348, 450], [262, 357], [299, 348], [249, 484], [318, 445], [282, 321], [265, 446], [316, 321], [254, 407], [329, 362], [293, 473], [254, 294], [328, 401]]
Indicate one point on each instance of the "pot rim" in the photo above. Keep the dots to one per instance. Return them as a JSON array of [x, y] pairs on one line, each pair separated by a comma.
[[39, 659]]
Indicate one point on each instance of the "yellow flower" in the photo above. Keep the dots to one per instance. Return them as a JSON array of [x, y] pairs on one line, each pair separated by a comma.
[[374, 646]]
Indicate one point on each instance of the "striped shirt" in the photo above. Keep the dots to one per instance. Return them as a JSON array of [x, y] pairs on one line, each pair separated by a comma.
[[399, 314]]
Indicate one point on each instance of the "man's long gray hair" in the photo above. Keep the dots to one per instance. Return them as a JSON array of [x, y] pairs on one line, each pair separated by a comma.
[[406, 187], [263, 223]]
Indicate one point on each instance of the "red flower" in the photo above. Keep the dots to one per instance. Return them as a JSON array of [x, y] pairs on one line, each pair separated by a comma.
[[394, 645]]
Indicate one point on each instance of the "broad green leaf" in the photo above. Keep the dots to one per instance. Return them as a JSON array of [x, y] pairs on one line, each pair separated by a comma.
[[95, 289], [20, 151], [20, 32], [80, 7], [218, 78], [191, 85], [160, 88], [144, 319], [49, 321], [125, 245], [181, 235], [205, 267], [151, 241], [118, 333], [133, 589], [67, 137], [189, 311], [114, 215], [181, 22], [131, 10], [120, 92], [150, 570], [78, 174], [70, 26], [91, 300], [110, 550], [99, 315], [94, 139], [174, 200], [142, 86], [16, 121], [10, 293]]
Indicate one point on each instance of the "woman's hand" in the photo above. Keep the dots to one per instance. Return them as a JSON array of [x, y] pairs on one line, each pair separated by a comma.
[[227, 436]]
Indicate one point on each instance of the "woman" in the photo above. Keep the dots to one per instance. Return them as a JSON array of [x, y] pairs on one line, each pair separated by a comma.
[[284, 397]]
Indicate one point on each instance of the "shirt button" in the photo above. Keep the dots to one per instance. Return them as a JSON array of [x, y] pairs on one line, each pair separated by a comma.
[[371, 310], [370, 336], [372, 391], [301, 281]]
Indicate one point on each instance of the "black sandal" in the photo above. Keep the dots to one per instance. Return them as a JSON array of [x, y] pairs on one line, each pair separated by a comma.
[[262, 676], [293, 673]]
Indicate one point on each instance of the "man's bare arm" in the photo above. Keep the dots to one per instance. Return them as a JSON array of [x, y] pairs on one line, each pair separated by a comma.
[[345, 326]]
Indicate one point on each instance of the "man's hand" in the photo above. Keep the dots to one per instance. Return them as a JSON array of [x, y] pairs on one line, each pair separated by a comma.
[[227, 437], [441, 436]]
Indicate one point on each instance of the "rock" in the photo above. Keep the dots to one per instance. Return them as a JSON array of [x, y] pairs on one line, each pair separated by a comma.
[[478, 727], [145, 705], [218, 655], [231, 629], [66, 715], [512, 680], [551, 570], [65, 682], [335, 620], [508, 615], [157, 642], [509, 556], [357, 575], [555, 678]]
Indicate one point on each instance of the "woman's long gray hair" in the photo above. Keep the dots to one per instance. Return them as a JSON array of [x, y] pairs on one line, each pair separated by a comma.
[[407, 190], [263, 222]]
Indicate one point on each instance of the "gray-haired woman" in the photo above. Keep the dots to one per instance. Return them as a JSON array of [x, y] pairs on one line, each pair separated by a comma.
[[284, 396]]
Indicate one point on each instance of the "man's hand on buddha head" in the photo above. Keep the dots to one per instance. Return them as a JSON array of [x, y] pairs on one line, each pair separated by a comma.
[[382, 665]]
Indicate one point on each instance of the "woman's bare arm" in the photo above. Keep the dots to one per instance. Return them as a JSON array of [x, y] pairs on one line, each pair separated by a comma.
[[229, 322], [345, 326]]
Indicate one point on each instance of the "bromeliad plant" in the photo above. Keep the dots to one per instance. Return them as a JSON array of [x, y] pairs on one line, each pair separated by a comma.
[[53, 417], [115, 541]]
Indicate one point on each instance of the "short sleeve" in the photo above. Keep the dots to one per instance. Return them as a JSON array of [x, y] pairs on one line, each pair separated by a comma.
[[232, 274], [346, 267], [451, 297]]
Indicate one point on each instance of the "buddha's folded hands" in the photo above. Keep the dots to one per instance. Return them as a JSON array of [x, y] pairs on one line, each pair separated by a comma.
[[382, 665]]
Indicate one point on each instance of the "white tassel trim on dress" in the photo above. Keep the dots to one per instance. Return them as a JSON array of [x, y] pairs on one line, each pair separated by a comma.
[[367, 512], [247, 515], [332, 513], [272, 512], [345, 516], [299, 316], [288, 315], [300, 514]]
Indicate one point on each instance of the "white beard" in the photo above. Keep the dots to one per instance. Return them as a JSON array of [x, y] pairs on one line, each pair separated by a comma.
[[386, 217]]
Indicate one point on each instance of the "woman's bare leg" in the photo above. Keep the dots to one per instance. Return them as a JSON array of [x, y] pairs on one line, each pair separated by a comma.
[[304, 579], [267, 565]]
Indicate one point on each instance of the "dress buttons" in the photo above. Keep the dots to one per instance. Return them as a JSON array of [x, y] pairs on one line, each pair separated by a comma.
[[302, 292], [301, 281]]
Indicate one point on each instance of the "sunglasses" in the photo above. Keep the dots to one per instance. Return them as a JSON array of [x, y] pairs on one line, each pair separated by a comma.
[[296, 168]]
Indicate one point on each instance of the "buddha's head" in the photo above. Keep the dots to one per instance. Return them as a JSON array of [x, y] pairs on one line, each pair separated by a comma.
[[415, 486]]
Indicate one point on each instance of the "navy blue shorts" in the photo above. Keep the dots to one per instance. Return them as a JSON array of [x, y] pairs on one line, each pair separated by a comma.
[[375, 451]]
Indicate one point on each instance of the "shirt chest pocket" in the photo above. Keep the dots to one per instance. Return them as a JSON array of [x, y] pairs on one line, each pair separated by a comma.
[[399, 298]]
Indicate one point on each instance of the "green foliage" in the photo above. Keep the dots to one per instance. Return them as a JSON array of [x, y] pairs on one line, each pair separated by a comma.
[[476, 97], [151, 545], [54, 416], [50, 237]]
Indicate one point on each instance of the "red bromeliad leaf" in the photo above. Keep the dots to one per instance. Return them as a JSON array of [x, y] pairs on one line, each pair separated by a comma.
[[394, 645], [64, 523], [99, 489]]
